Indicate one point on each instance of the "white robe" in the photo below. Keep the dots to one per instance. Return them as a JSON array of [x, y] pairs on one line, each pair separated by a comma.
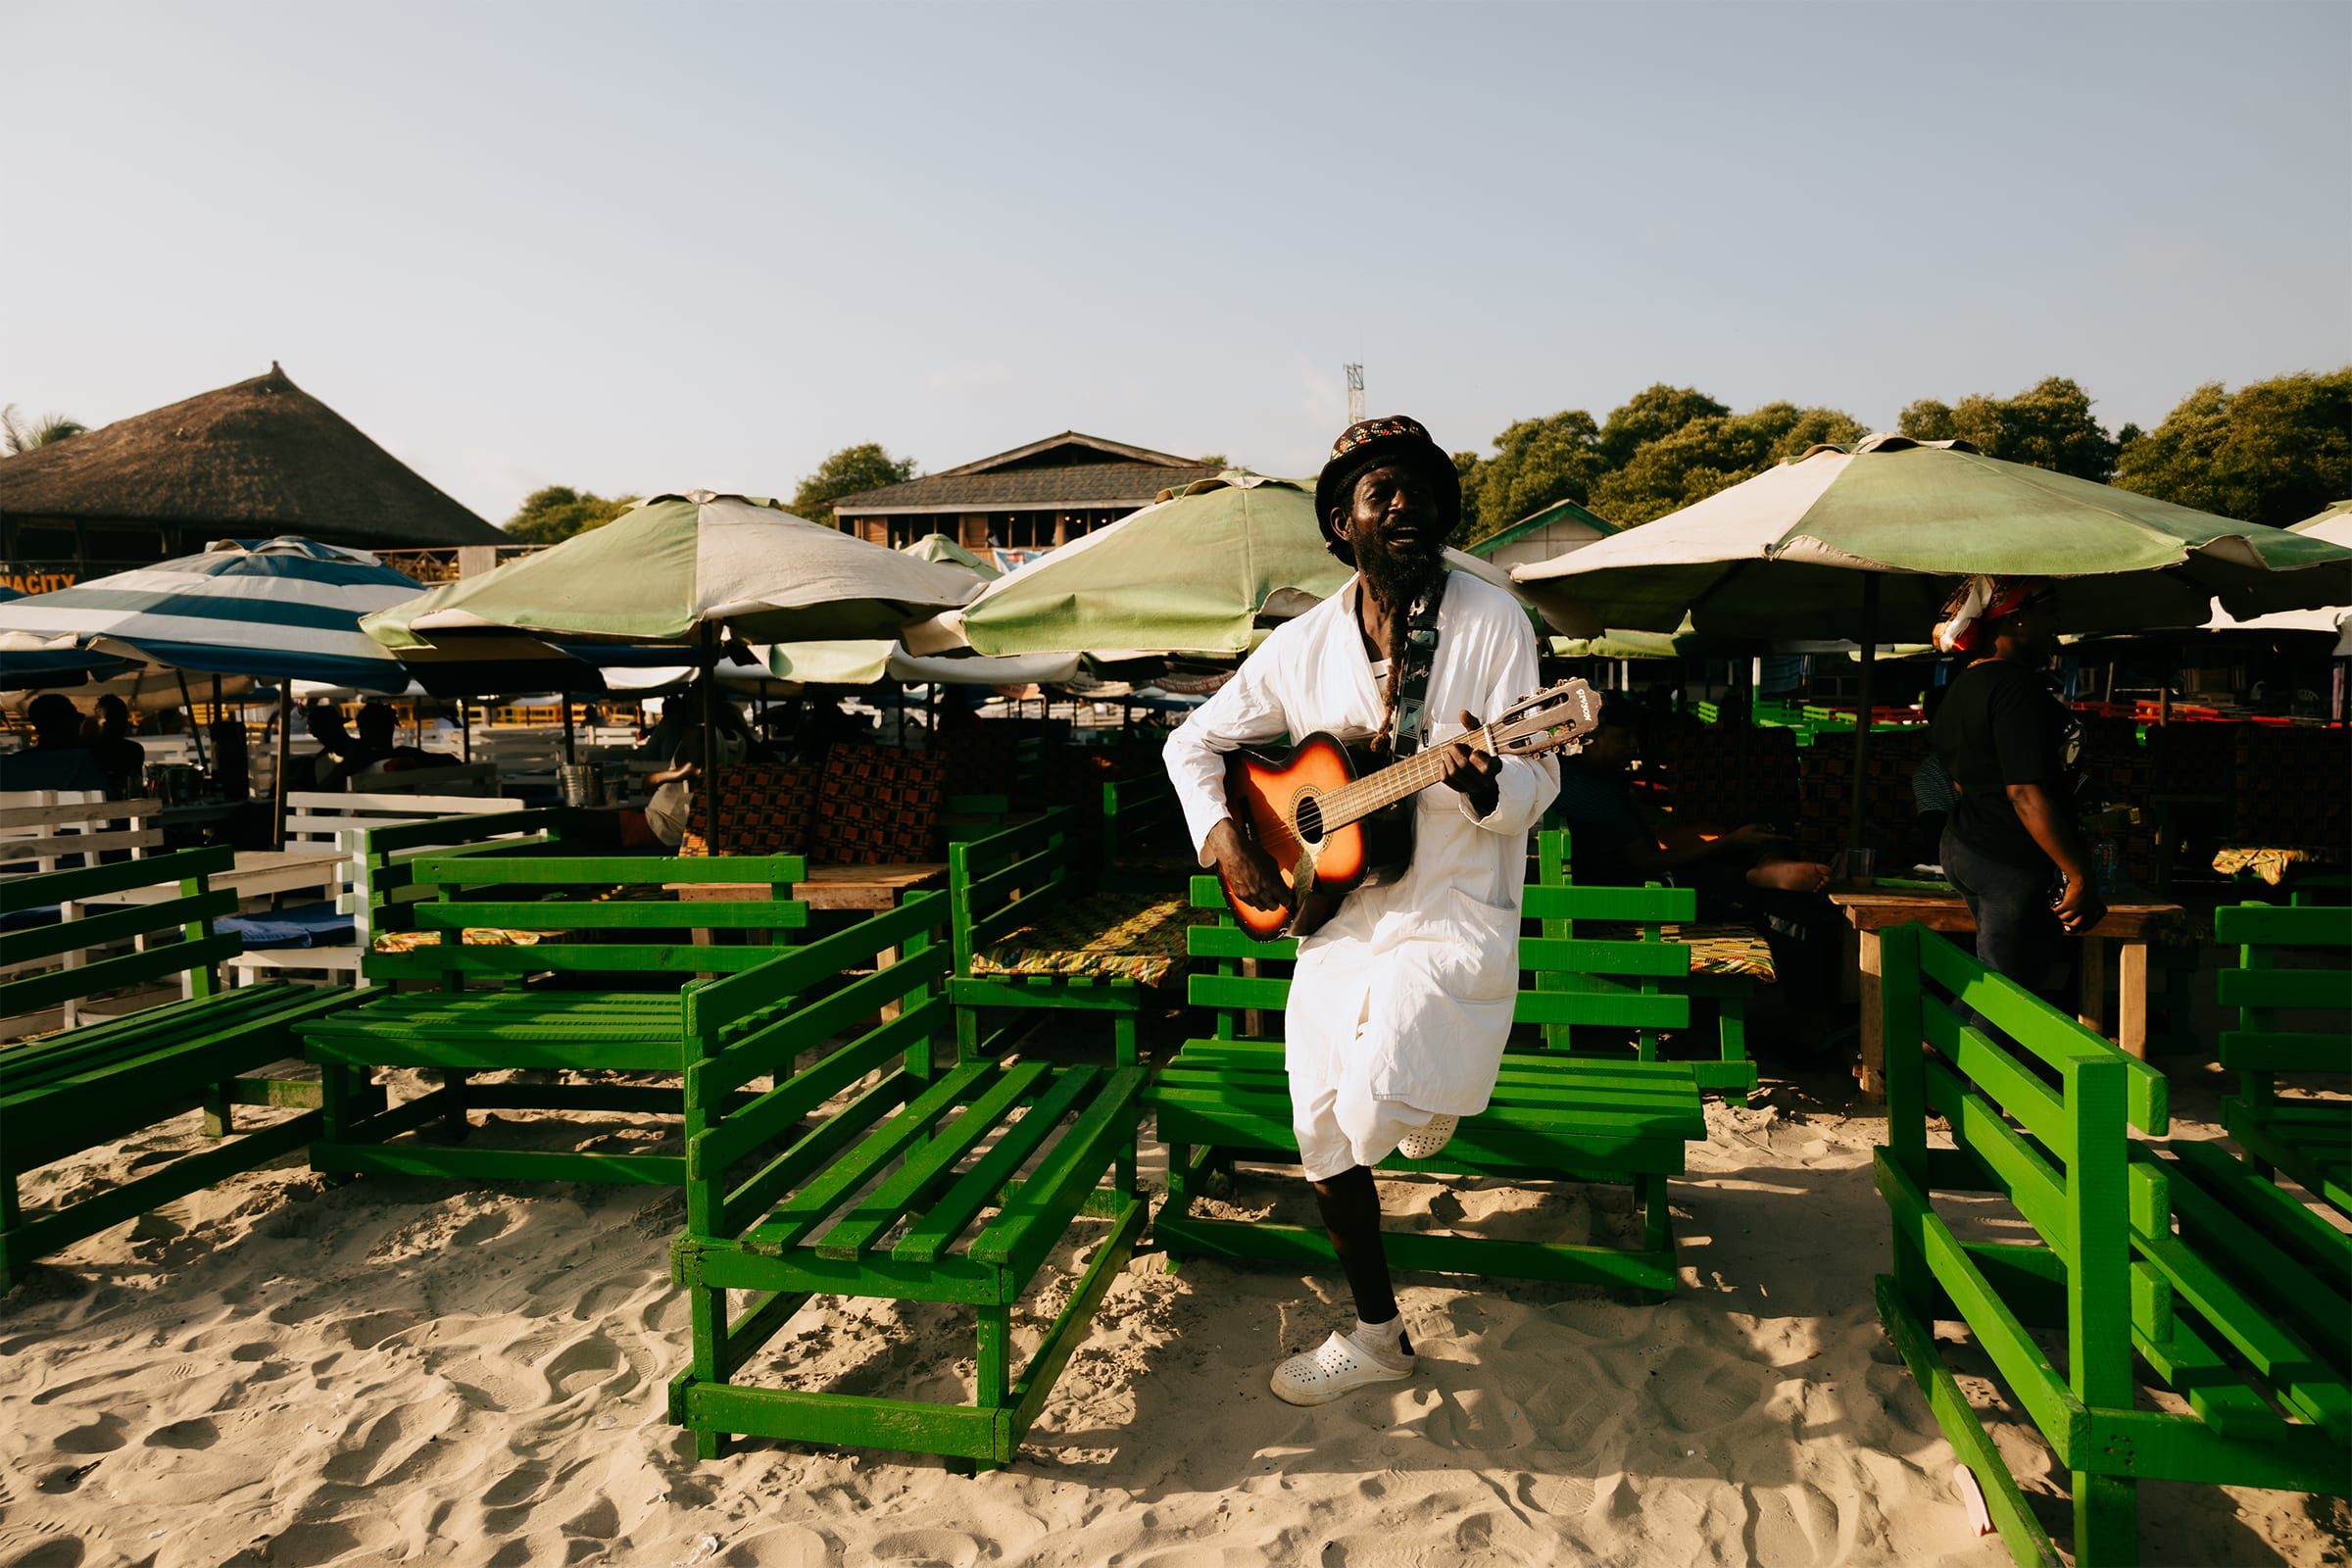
[[1407, 994]]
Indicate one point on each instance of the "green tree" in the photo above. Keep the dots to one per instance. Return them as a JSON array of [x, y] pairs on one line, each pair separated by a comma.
[[1712, 452], [553, 515], [2048, 426], [1537, 462], [846, 472], [1465, 468], [20, 434], [1649, 415], [2272, 451]]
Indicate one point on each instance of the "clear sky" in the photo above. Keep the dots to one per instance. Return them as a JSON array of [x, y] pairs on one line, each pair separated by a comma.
[[639, 248]]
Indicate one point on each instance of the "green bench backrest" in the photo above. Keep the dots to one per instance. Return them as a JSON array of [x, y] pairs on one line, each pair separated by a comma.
[[481, 876], [799, 1001], [383, 890], [2038, 1106], [190, 948], [1618, 1007], [2316, 1035], [989, 878], [1139, 815]]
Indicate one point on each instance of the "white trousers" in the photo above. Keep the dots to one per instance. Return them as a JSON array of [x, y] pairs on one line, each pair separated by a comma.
[[1338, 1122]]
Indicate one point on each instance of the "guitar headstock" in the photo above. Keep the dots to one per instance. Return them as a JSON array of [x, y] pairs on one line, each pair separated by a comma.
[[1556, 716]]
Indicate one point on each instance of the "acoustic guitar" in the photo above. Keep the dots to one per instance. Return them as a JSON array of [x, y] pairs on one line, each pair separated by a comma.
[[1331, 827]]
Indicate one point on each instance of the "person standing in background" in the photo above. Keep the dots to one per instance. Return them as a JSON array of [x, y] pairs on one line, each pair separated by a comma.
[[121, 759], [2010, 747]]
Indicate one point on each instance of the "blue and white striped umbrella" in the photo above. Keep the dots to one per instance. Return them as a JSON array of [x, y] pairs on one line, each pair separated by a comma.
[[287, 609]]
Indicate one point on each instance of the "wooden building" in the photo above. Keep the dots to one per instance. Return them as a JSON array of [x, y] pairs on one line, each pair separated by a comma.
[[1047, 493], [247, 462], [1555, 530]]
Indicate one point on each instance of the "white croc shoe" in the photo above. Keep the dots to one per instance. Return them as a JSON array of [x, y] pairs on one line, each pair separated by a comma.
[[1340, 1367], [1424, 1142]]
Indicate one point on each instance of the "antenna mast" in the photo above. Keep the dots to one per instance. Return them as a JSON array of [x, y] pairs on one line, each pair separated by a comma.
[[1355, 393]]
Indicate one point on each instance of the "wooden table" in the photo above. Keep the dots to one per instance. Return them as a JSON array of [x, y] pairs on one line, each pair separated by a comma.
[[1870, 911], [831, 887]]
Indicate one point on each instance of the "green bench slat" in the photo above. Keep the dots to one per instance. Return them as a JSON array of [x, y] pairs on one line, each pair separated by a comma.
[[572, 915], [2286, 988], [115, 925], [41, 889], [2276, 1051], [884, 1206], [947, 1219], [114, 974], [807, 1208]]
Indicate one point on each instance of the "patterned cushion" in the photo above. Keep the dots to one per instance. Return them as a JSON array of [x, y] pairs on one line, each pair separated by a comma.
[[879, 805], [1115, 935], [475, 937], [1724, 949], [764, 808]]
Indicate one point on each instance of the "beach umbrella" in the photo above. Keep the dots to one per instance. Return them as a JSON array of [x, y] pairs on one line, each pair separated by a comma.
[[1862, 541], [940, 548], [676, 572], [2335, 526], [1780, 552], [1198, 572], [282, 610]]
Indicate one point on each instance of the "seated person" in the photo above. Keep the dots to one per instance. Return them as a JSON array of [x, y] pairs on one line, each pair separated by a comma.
[[678, 738], [58, 758], [372, 747], [1740, 877], [121, 759], [1932, 795]]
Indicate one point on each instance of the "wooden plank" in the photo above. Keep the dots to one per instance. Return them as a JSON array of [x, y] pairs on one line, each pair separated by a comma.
[[97, 841], [2299, 926], [19, 817], [2283, 1050], [609, 868], [113, 974], [954, 1211], [2289, 988], [565, 958], [115, 925], [883, 1207], [2007, 1082], [90, 882], [809, 1207], [1647, 904], [578, 914]]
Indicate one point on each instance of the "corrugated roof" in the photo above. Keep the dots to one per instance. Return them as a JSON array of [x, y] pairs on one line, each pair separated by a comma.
[[1098, 484], [262, 456]]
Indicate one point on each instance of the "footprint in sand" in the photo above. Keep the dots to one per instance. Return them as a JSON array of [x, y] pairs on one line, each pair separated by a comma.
[[793, 1547], [197, 1433], [42, 1544], [950, 1547], [1695, 1403], [1564, 1497], [360, 1466], [588, 1363], [1789, 1527], [101, 1436]]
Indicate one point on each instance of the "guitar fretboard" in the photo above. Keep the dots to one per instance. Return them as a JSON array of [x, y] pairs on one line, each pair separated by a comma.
[[1375, 791]]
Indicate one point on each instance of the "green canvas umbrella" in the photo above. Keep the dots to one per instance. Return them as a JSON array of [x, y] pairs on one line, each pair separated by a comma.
[[1194, 572], [1863, 541], [940, 548], [1778, 554]]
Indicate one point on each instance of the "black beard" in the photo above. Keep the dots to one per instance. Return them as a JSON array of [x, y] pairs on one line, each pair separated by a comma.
[[1397, 579]]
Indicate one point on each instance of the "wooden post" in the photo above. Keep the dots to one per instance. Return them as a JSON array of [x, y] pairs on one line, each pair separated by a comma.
[[570, 748], [465, 727], [285, 761], [187, 705], [710, 684], [1862, 707]]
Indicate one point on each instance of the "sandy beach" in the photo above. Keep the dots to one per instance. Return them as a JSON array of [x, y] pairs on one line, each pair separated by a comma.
[[276, 1372]]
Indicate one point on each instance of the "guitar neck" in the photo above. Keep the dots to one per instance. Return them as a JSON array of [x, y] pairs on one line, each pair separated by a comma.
[[1374, 792]]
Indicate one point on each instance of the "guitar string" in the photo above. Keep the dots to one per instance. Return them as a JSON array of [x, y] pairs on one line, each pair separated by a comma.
[[1360, 798]]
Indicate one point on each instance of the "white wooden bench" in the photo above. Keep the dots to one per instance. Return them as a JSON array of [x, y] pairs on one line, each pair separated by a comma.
[[39, 831], [338, 822]]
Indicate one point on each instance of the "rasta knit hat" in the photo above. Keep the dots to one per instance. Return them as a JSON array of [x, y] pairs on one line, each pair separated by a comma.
[[1395, 439]]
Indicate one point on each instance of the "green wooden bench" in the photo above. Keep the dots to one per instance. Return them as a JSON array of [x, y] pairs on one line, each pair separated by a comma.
[[102, 1080], [1554, 1116], [2236, 1298], [1729, 985], [2309, 1139], [1029, 935], [948, 1184], [1146, 845], [595, 917]]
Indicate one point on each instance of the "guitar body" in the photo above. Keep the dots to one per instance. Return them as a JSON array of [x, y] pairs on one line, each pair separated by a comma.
[[1274, 800]]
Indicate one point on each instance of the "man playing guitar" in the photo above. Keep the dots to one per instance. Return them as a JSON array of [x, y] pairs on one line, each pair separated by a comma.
[[1401, 1003]]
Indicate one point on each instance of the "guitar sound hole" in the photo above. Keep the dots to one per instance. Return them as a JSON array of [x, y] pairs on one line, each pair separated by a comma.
[[1310, 820]]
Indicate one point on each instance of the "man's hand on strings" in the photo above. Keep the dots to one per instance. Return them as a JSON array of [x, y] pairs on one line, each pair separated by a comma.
[[1471, 771], [1248, 871]]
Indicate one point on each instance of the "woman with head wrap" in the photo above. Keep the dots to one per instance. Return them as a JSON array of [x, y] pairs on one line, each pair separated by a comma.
[[2010, 747]]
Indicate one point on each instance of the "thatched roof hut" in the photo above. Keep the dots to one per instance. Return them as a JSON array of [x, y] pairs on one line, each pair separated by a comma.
[[1040, 495], [249, 460]]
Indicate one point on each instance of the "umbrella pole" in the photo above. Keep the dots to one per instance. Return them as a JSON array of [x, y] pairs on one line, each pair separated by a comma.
[[710, 668], [570, 748], [1870, 665], [285, 761], [187, 705], [465, 728]]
